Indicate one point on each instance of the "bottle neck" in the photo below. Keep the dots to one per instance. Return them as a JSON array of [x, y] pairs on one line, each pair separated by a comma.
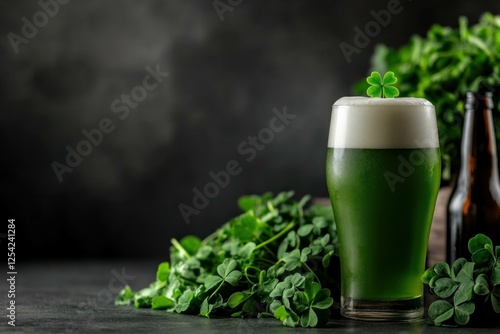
[[479, 156]]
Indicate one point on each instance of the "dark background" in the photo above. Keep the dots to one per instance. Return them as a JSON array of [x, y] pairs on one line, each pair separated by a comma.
[[225, 79]]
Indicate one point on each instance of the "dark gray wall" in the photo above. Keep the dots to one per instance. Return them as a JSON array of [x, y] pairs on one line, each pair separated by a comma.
[[226, 77]]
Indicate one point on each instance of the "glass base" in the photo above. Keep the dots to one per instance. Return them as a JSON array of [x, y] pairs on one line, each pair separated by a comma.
[[382, 310]]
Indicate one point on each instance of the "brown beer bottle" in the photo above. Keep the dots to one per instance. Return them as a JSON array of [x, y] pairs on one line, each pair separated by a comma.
[[474, 205]]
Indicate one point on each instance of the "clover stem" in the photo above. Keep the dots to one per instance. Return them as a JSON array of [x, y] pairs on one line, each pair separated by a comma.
[[277, 236], [216, 290], [179, 247], [265, 260], [246, 274], [317, 279], [269, 251]]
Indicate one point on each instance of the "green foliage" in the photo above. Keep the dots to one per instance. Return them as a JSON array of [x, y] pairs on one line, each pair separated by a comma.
[[125, 297], [442, 67], [258, 264], [468, 290], [382, 87]]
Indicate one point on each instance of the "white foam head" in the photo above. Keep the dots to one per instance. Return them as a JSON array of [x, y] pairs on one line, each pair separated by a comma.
[[363, 122]]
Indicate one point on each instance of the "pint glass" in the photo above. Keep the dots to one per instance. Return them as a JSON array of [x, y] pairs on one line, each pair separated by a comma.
[[383, 173]]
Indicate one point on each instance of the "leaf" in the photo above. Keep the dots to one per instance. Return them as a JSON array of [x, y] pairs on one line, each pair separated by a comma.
[[125, 297], [466, 274], [236, 299], [292, 260], [390, 92], [495, 300], [184, 301], [245, 227], [226, 267], [464, 293], [249, 307], [382, 87], [322, 299], [326, 259], [445, 287], [300, 301], [247, 203], [281, 313], [482, 287], [142, 301], [309, 318], [211, 281], [276, 270], [457, 266], [233, 277], [304, 254], [274, 305], [442, 269], [163, 272], [143, 298], [375, 79], [205, 308], [495, 274], [428, 275], [287, 317], [247, 250], [191, 244], [477, 243], [463, 312], [432, 282], [319, 223], [325, 239], [440, 311], [161, 303], [374, 91], [311, 289], [204, 252], [389, 79], [305, 230], [296, 279], [482, 257]]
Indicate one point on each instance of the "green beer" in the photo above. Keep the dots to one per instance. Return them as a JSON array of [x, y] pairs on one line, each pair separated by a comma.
[[383, 174]]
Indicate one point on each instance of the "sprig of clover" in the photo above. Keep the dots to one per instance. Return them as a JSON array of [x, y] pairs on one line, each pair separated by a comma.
[[382, 87]]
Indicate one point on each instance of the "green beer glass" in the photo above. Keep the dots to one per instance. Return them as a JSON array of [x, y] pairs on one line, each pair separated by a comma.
[[383, 172]]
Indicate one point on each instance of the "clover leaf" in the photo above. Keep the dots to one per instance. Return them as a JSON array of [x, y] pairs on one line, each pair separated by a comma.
[[161, 303], [287, 288], [465, 285], [441, 311], [296, 258], [125, 297], [206, 307], [313, 304], [286, 316], [163, 272], [382, 87], [184, 301], [227, 273]]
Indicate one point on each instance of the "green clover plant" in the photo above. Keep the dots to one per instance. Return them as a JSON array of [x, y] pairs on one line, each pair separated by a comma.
[[468, 291], [277, 259], [382, 87]]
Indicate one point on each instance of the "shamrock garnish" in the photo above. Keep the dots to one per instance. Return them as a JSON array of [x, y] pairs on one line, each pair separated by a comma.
[[382, 87]]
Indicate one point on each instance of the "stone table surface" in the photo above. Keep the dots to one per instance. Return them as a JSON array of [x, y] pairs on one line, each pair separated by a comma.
[[77, 297]]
